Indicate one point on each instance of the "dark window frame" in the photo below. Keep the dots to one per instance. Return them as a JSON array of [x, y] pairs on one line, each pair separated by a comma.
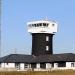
[[43, 65], [61, 64], [17, 66], [72, 65]]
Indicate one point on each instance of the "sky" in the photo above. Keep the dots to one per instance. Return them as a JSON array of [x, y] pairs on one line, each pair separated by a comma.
[[16, 13]]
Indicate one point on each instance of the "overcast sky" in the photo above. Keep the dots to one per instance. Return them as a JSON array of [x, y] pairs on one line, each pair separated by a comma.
[[16, 14]]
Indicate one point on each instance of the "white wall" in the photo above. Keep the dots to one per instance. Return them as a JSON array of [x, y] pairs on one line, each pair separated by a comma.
[[48, 65], [22, 66], [68, 64], [12, 65], [38, 65], [55, 65], [41, 29], [8, 65]]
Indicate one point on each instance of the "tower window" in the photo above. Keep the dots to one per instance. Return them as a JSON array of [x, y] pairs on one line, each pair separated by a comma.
[[53, 24], [47, 48], [47, 24], [35, 25], [40, 24], [32, 25], [44, 24], [7, 63], [47, 38]]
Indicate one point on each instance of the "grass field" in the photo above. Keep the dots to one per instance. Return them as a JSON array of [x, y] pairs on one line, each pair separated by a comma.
[[69, 72]]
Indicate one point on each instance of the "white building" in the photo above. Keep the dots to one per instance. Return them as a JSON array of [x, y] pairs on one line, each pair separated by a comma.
[[20, 62], [42, 57]]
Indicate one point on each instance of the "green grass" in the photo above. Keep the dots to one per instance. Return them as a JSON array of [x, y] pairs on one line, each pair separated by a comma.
[[69, 72]]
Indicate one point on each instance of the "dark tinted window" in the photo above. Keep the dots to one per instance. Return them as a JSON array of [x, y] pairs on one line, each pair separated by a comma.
[[33, 65], [42, 65], [44, 24], [62, 64], [53, 24], [40, 24], [35, 25], [32, 25], [72, 64], [47, 24]]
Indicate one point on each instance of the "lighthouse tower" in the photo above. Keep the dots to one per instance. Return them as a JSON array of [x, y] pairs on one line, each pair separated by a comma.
[[42, 36]]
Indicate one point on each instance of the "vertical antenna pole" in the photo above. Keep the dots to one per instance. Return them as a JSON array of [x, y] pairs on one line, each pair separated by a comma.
[[0, 28], [15, 51]]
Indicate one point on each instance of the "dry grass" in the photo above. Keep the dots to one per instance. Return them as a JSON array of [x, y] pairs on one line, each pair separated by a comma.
[[69, 72]]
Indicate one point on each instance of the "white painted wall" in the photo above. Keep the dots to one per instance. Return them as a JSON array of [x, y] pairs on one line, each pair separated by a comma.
[[55, 65], [48, 65], [38, 65], [68, 64], [2, 65], [29, 65], [12, 65], [8, 65], [22, 66], [41, 29]]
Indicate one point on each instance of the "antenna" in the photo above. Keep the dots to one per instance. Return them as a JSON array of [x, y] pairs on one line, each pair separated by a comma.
[[0, 28], [46, 18], [15, 51]]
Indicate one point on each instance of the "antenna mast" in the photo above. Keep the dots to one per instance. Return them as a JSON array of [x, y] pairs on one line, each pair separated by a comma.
[[0, 28], [15, 50]]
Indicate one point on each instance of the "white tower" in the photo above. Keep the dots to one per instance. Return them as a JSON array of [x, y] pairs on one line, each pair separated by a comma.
[[42, 34]]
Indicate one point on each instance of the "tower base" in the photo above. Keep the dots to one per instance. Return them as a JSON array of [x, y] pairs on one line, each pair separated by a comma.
[[42, 44]]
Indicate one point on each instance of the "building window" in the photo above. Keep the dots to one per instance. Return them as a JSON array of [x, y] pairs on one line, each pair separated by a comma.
[[30, 25], [53, 24], [72, 64], [42, 65], [17, 66], [61, 64], [35, 25], [40, 24], [33, 65], [6, 63], [0, 64], [47, 48], [45, 24], [52, 64], [47, 38], [25, 66]]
